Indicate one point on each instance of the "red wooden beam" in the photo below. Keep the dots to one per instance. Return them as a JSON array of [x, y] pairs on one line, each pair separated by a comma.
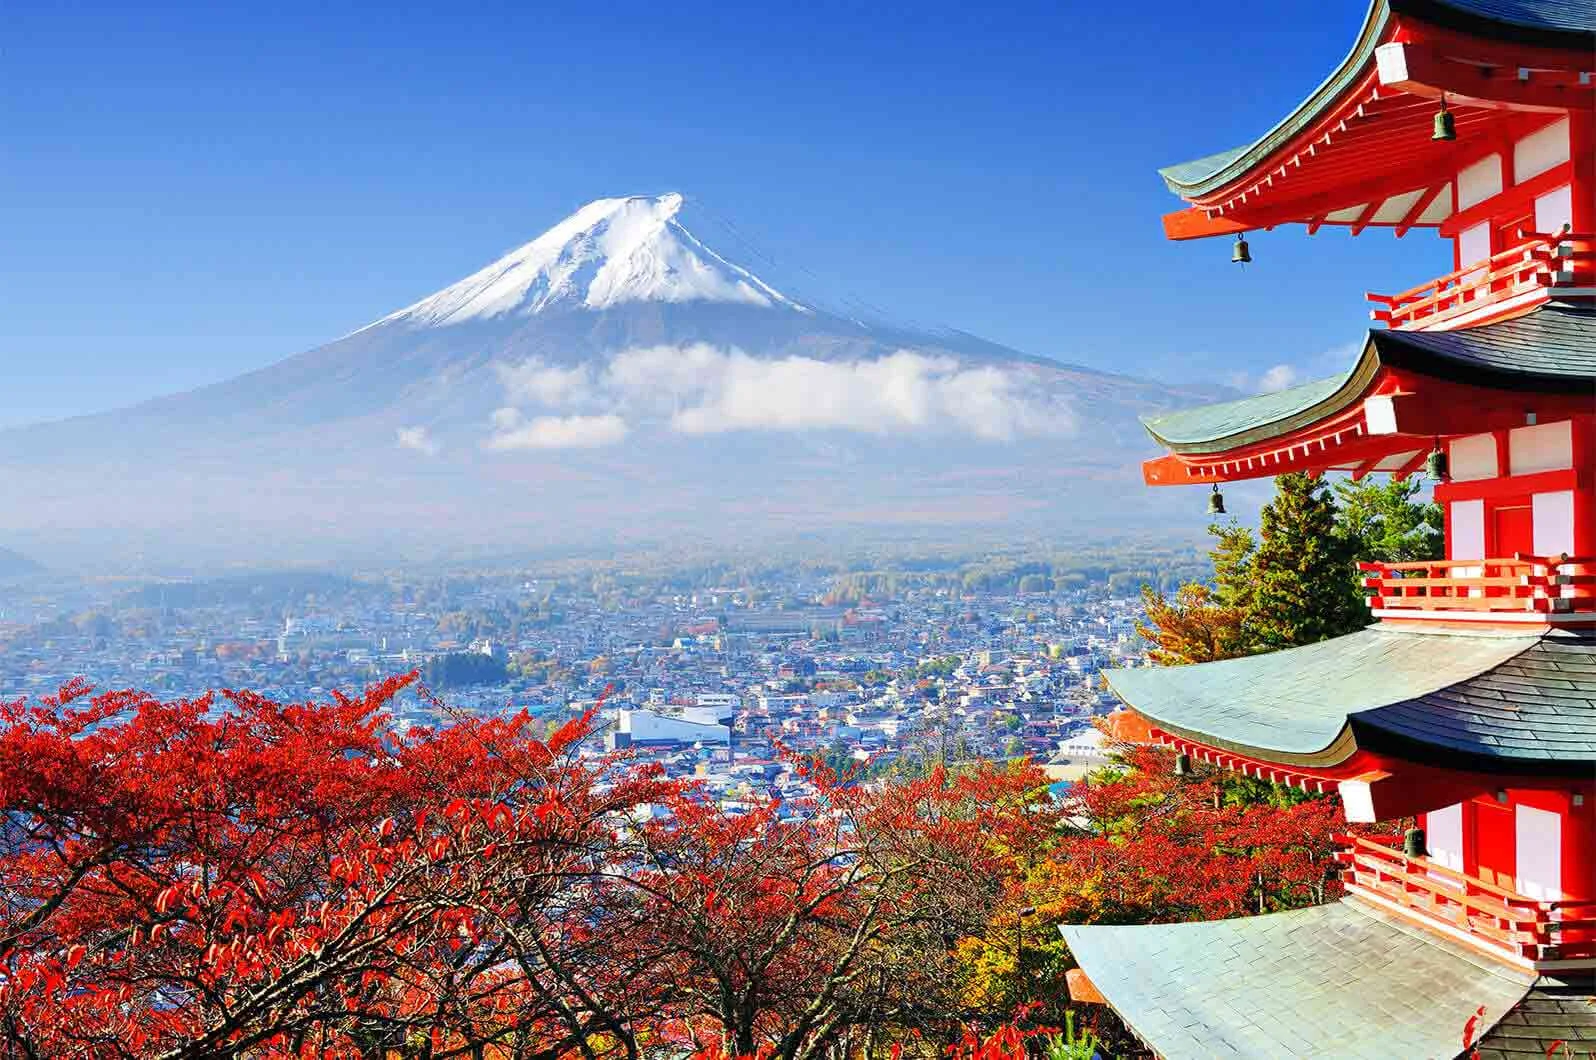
[[1361, 472], [1514, 197], [1417, 461], [1366, 216], [1416, 211], [1196, 224], [1425, 72]]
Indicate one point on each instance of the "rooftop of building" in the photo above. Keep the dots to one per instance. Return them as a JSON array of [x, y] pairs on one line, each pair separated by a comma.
[[1540, 23], [1550, 349], [1344, 979], [1495, 700]]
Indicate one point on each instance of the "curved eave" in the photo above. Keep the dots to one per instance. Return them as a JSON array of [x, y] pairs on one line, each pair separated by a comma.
[[1551, 350], [1304, 707], [1315, 750], [1188, 179], [1344, 979], [1230, 425], [1559, 24]]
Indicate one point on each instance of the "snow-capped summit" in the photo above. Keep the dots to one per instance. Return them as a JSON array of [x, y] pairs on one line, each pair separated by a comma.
[[609, 252]]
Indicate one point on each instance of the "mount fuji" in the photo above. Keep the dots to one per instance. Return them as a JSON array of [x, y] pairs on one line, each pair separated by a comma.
[[614, 379]]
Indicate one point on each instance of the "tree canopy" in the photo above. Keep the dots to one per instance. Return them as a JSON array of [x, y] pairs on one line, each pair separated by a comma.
[[1294, 582], [235, 876]]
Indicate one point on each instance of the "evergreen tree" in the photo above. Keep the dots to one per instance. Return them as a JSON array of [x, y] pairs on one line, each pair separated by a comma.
[[1233, 560], [1382, 522], [1304, 589]]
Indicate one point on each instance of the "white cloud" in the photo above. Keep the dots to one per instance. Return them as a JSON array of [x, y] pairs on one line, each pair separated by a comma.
[[512, 431], [1330, 362], [418, 439], [705, 390], [700, 389], [1279, 377], [535, 382]]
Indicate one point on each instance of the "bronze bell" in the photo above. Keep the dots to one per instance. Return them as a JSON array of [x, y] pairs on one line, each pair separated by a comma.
[[1435, 464], [1413, 842], [1445, 125], [1216, 502], [1183, 765], [1240, 254]]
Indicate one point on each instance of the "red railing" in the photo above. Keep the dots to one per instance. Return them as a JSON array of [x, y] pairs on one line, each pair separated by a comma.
[[1553, 585], [1533, 928], [1541, 261]]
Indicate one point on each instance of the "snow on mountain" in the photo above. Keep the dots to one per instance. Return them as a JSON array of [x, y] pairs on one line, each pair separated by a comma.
[[614, 376], [609, 252]]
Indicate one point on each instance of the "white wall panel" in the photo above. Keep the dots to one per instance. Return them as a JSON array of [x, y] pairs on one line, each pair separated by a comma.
[[1540, 151], [1543, 447], [1552, 515], [1479, 181], [1472, 458], [1554, 210], [1539, 854], [1474, 244], [1467, 540], [1443, 836]]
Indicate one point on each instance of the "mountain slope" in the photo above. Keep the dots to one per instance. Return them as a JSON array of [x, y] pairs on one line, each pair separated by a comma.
[[612, 374]]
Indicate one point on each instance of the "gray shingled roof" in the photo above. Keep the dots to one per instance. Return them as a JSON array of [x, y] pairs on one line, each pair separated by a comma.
[[1509, 697], [1540, 703], [1564, 23], [1226, 419], [1558, 340], [1543, 350], [1342, 980], [1557, 16], [1556, 1010]]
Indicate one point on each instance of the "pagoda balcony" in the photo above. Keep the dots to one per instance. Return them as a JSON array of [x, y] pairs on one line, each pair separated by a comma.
[[1496, 919], [1535, 270], [1524, 585]]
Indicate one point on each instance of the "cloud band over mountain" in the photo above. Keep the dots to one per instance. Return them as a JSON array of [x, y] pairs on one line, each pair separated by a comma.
[[699, 389]]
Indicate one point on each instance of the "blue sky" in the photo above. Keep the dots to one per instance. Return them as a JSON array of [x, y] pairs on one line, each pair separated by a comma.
[[187, 193]]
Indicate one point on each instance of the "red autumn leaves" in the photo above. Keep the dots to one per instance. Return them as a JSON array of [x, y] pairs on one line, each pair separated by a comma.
[[234, 875]]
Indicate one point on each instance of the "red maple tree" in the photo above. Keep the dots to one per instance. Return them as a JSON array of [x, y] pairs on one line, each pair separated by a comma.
[[231, 875]]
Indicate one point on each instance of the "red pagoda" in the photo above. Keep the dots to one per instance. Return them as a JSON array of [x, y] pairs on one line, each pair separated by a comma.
[[1470, 704]]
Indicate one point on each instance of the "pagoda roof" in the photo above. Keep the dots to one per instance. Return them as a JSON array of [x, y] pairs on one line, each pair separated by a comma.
[[1344, 979], [1543, 349], [1548, 23], [1501, 700]]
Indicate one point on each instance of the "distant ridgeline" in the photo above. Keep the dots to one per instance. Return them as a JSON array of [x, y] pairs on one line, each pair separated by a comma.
[[14, 564], [269, 587]]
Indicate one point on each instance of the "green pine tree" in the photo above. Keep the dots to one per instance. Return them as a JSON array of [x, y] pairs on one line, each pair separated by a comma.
[[1304, 588], [1382, 521], [1233, 555]]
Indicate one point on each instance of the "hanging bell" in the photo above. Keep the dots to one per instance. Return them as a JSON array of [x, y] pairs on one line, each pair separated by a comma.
[[1183, 765], [1445, 125], [1435, 464], [1413, 842], [1240, 254], [1216, 502]]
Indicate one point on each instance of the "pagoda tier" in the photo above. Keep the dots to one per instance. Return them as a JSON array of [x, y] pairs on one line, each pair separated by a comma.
[[1471, 704], [1511, 180], [1488, 737], [1512, 407], [1359, 151], [1385, 412]]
